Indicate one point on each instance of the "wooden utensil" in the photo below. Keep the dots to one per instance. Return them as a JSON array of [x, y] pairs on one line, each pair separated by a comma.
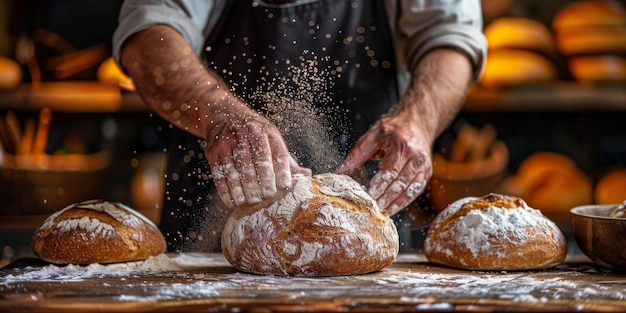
[[41, 137], [8, 144], [26, 141], [14, 130]]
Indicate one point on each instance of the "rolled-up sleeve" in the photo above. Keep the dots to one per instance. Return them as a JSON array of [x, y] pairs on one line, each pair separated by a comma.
[[422, 25], [189, 18]]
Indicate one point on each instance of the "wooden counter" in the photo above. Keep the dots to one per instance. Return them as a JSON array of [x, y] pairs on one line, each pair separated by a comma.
[[206, 282]]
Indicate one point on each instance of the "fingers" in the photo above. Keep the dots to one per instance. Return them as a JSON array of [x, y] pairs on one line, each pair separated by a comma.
[[400, 180], [244, 164], [281, 162], [296, 169], [364, 150], [263, 165], [401, 193], [251, 165], [226, 179]]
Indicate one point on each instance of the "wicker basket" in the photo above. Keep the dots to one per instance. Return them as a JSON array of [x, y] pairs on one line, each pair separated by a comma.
[[452, 181], [44, 184]]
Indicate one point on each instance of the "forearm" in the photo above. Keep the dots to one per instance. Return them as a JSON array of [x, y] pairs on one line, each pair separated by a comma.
[[171, 79], [436, 92]]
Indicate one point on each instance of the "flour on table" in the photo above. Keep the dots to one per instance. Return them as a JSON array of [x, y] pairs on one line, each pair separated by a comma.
[[158, 263], [187, 280]]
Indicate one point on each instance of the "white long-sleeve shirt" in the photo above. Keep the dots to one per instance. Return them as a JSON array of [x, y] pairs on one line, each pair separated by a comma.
[[417, 26]]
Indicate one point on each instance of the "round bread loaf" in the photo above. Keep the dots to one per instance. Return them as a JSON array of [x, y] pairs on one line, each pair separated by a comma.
[[585, 14], [515, 67], [10, 74], [550, 182], [110, 73], [611, 187], [519, 33], [603, 68], [97, 231], [325, 225], [494, 232]]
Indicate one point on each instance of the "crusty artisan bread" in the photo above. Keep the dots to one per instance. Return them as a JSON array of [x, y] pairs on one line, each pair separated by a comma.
[[96, 231], [494, 232], [325, 225]]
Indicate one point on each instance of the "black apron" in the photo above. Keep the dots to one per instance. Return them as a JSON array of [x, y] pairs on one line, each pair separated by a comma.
[[323, 72]]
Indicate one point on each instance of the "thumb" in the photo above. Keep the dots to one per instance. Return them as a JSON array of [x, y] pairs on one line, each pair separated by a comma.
[[364, 150], [297, 169]]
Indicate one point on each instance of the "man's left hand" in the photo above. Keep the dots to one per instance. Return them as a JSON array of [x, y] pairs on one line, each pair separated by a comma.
[[405, 162]]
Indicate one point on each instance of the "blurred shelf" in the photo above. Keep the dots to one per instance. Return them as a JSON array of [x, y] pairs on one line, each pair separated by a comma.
[[94, 97], [22, 222], [72, 96], [559, 96]]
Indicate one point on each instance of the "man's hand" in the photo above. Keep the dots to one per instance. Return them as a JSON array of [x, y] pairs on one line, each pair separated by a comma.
[[249, 160], [405, 166], [248, 157], [403, 139]]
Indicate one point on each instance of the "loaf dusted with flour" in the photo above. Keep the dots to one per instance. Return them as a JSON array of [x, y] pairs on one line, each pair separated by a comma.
[[494, 232], [325, 225], [97, 231]]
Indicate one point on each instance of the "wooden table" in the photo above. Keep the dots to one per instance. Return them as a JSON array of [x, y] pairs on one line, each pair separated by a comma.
[[206, 283]]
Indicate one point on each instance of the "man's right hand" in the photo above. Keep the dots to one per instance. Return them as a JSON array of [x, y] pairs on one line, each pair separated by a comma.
[[249, 160], [248, 157]]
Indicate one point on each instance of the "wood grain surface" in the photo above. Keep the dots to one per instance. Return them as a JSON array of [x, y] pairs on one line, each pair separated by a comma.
[[206, 283]]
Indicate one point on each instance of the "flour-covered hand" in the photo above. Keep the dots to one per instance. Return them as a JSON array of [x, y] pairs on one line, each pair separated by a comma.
[[405, 163], [249, 159]]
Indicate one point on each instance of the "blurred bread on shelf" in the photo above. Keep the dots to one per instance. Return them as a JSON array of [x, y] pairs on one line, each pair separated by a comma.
[[519, 33], [110, 73], [493, 9], [589, 13], [511, 67], [550, 182], [611, 187], [10, 74], [520, 53], [603, 68], [591, 35], [592, 40], [474, 165]]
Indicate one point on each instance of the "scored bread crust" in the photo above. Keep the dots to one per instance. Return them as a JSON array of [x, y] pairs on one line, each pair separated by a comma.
[[97, 231], [326, 225], [494, 232]]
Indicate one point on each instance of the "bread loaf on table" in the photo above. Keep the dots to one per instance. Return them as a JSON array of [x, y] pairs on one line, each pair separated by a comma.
[[325, 225], [97, 231], [494, 232]]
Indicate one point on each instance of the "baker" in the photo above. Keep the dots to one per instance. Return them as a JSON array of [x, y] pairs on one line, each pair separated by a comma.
[[246, 82]]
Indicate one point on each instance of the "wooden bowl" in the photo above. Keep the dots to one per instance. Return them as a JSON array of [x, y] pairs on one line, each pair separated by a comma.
[[602, 238]]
